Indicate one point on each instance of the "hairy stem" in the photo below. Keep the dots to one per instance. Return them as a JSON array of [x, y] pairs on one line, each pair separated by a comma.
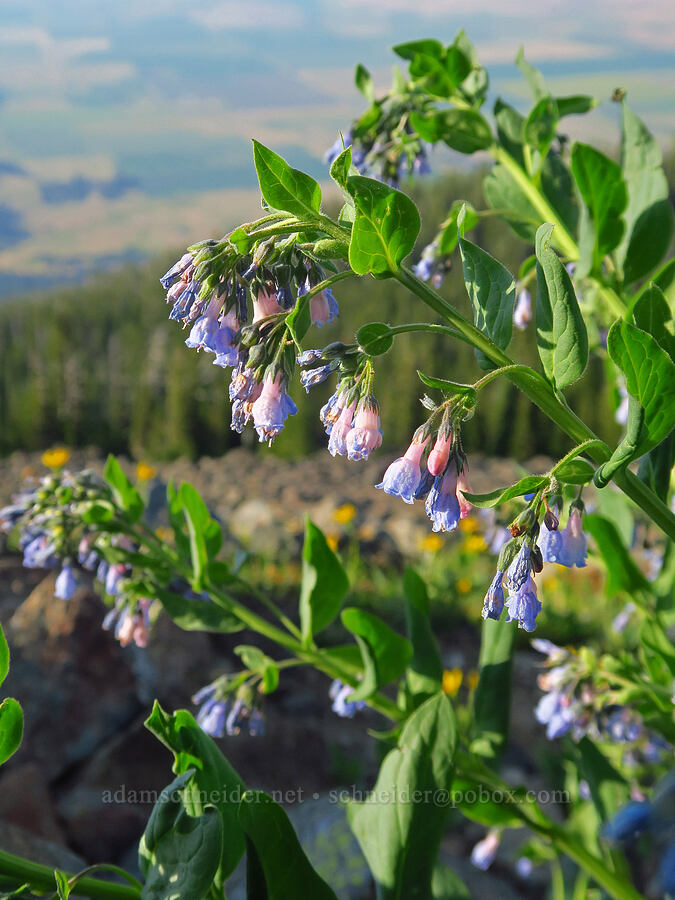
[[42, 878]]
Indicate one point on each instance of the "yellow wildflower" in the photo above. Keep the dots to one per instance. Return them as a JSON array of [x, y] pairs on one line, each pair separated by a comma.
[[452, 681], [145, 472], [475, 543], [433, 542], [332, 541], [472, 680], [468, 525], [463, 586], [55, 458], [345, 513]]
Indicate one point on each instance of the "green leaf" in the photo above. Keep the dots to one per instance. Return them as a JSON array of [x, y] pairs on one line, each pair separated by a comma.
[[196, 615], [533, 76], [98, 512], [62, 885], [450, 387], [446, 885], [177, 520], [510, 125], [650, 382], [214, 777], [575, 471], [539, 130], [4, 656], [464, 130], [205, 534], [162, 817], [385, 227], [449, 233], [622, 573], [425, 672], [399, 836], [492, 292], [283, 870], [654, 638], [609, 789], [558, 187], [375, 338], [494, 498], [125, 494], [561, 333], [665, 279], [575, 105], [652, 314], [257, 661], [324, 583], [185, 860], [502, 192], [602, 187], [492, 700], [486, 805], [438, 69], [386, 654], [299, 320], [649, 214], [11, 728], [285, 188], [655, 467], [364, 82]]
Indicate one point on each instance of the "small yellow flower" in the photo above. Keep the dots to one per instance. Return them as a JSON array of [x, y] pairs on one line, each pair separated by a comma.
[[332, 541], [366, 533], [468, 525], [472, 680], [56, 457], [550, 583], [433, 542], [452, 681], [474, 543], [345, 513], [163, 533], [463, 586], [145, 472]]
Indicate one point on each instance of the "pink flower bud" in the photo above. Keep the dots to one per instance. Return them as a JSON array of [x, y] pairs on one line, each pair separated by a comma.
[[438, 458]]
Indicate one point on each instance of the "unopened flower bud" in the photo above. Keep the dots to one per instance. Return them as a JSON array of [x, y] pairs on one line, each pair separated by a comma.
[[536, 559], [523, 523], [507, 554]]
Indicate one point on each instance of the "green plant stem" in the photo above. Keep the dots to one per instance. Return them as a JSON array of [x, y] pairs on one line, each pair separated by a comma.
[[429, 327], [542, 394], [42, 878], [561, 235]]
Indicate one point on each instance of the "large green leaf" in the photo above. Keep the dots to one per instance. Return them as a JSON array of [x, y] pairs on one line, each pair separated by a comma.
[[439, 69], [609, 789], [502, 192], [125, 494], [622, 573], [533, 76], [385, 226], [445, 885], [179, 854], [324, 583], [539, 131], [400, 825], [385, 653], [464, 130], [492, 292], [213, 780], [205, 534], [652, 314], [602, 187], [280, 870], [11, 728], [283, 187], [492, 700], [649, 213], [650, 381], [425, 672], [558, 186], [192, 614], [561, 333]]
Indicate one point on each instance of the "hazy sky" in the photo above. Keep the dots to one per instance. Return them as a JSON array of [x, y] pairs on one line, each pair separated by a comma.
[[125, 126]]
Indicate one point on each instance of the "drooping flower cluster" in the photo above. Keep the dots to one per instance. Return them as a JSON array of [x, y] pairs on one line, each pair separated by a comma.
[[342, 706], [385, 152], [577, 702], [523, 557], [222, 712]]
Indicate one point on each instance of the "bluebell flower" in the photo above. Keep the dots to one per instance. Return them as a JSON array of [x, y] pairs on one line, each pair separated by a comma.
[[86, 556], [402, 478], [519, 570], [522, 311], [66, 583], [323, 308], [366, 434], [256, 723], [271, 409], [337, 443], [524, 866], [102, 571], [442, 505], [10, 515], [113, 577], [621, 620], [236, 717], [39, 553], [309, 356], [184, 302], [484, 852], [421, 163], [330, 412], [622, 726], [555, 710], [575, 540], [222, 341], [425, 485], [242, 383], [176, 271], [523, 606], [629, 821], [212, 716], [311, 377], [552, 545], [424, 268], [493, 604], [342, 706]]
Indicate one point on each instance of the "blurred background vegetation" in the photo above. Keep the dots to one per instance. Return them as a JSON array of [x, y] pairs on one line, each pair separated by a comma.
[[100, 365]]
